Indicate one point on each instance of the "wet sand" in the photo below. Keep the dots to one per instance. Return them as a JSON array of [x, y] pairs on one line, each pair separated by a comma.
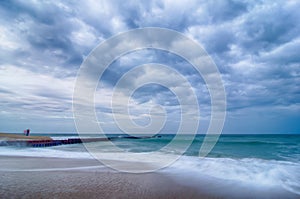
[[33, 177]]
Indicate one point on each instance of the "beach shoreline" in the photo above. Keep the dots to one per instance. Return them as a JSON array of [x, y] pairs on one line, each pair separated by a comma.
[[35, 177], [60, 177]]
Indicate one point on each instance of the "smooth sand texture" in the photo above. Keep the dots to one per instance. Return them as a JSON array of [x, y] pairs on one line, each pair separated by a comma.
[[11, 136], [29, 177]]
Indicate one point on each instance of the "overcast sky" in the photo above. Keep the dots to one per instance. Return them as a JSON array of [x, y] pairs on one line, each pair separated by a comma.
[[255, 46]]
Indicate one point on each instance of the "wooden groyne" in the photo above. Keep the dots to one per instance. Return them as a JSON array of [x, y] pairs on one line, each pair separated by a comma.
[[48, 143], [44, 141]]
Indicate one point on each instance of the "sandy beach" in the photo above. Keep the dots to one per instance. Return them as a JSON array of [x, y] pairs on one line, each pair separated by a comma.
[[33, 177]]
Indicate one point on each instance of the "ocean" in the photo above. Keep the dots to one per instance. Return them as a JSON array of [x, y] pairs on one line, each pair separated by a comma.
[[263, 163]]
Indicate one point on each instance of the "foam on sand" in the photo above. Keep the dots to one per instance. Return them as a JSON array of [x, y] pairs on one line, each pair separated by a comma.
[[281, 177], [84, 181]]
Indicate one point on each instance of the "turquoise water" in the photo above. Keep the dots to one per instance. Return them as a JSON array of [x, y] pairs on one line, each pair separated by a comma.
[[282, 147], [269, 147]]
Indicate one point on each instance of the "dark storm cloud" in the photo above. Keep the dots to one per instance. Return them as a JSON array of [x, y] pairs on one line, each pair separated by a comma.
[[124, 64], [161, 95], [45, 30], [269, 26], [260, 59]]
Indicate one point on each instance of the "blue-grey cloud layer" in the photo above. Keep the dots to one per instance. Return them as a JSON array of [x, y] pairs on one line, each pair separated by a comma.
[[255, 45]]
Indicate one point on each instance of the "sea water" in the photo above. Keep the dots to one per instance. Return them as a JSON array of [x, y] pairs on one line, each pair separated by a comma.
[[260, 162]]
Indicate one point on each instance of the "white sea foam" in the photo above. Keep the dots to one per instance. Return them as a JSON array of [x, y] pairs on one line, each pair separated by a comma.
[[55, 169], [43, 152], [247, 171]]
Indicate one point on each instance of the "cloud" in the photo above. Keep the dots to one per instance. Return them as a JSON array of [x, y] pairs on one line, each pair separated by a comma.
[[254, 45], [35, 93]]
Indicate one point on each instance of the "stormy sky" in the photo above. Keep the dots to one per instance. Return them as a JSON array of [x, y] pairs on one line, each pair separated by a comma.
[[255, 46]]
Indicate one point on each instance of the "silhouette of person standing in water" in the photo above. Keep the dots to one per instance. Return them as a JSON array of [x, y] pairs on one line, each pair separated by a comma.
[[27, 132]]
